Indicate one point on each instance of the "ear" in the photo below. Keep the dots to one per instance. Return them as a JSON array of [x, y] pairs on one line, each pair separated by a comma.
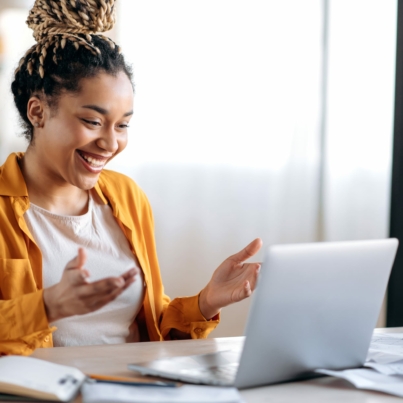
[[36, 111]]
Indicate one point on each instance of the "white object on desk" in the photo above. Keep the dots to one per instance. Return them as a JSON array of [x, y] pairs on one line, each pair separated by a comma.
[[384, 372], [385, 353], [394, 368], [386, 348], [26, 376], [109, 393], [369, 379]]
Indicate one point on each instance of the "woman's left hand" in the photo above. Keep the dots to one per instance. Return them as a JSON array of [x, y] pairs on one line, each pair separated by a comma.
[[232, 281]]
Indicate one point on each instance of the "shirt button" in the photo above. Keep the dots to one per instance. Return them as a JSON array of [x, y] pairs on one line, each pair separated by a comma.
[[47, 339], [198, 330]]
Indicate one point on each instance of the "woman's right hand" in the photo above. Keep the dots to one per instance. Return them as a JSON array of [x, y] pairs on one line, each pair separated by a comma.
[[74, 295]]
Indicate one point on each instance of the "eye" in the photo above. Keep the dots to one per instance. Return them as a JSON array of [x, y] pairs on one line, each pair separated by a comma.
[[122, 126], [91, 122]]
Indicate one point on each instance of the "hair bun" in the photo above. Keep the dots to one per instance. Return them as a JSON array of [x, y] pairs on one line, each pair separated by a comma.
[[56, 17]]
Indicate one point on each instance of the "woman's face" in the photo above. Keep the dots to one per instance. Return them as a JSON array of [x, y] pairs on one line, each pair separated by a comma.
[[85, 131]]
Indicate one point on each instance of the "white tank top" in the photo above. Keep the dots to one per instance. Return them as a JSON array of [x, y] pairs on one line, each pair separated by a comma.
[[108, 254]]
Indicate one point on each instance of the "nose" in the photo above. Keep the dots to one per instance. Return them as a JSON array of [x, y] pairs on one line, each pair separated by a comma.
[[108, 140]]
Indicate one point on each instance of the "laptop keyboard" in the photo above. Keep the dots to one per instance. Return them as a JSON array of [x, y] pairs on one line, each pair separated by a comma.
[[219, 375]]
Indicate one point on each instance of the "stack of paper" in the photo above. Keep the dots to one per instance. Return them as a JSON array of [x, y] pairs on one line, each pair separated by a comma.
[[386, 348], [109, 393], [384, 363]]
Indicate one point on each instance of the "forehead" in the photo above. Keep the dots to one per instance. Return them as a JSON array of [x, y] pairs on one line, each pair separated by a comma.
[[113, 93]]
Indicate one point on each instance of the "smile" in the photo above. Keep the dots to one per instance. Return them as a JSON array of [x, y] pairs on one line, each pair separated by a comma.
[[94, 164]]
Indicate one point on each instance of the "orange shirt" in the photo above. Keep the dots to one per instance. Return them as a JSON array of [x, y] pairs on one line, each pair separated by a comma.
[[23, 321]]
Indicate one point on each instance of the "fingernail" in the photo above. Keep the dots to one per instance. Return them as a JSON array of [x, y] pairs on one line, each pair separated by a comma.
[[132, 272], [119, 282]]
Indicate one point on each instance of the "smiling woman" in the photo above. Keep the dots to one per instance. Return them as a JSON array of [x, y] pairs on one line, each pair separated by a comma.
[[78, 260], [92, 129]]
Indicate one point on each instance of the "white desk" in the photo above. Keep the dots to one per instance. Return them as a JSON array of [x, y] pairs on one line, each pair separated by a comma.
[[113, 360]]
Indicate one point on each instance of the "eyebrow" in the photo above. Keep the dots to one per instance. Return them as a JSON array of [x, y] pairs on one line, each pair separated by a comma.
[[103, 111]]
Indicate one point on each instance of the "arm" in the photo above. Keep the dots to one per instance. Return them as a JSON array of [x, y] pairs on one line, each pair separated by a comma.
[[74, 295], [183, 319], [162, 318], [25, 318], [233, 281]]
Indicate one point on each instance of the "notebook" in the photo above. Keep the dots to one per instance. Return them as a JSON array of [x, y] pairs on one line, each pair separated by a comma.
[[31, 377]]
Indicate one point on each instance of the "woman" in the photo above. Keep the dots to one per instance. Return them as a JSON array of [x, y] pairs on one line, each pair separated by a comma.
[[74, 94]]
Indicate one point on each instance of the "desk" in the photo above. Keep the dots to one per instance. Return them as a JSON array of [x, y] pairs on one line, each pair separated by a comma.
[[113, 360]]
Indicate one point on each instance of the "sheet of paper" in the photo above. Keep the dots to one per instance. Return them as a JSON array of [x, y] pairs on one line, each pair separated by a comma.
[[369, 379], [394, 368], [386, 348], [382, 358], [384, 366], [109, 393], [387, 342]]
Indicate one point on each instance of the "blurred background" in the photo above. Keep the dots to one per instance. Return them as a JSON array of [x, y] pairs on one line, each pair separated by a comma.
[[262, 118]]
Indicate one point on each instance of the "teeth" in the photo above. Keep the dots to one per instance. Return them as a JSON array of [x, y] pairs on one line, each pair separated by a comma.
[[93, 161]]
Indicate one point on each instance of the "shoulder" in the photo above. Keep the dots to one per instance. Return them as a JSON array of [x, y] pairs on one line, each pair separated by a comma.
[[113, 178], [121, 187], [11, 180]]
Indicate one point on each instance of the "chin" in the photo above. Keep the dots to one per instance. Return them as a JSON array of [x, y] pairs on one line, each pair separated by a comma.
[[87, 184]]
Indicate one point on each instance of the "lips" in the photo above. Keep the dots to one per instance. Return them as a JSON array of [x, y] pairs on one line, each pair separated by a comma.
[[94, 163]]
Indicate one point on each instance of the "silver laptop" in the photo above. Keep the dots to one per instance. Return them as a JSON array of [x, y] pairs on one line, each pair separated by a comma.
[[315, 306]]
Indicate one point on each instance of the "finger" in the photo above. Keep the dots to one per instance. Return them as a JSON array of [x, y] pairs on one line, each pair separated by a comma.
[[248, 251], [92, 302], [128, 283], [255, 269], [129, 277], [85, 275], [247, 291], [96, 302], [132, 273], [76, 277], [79, 261], [244, 292], [101, 287], [82, 258], [107, 285]]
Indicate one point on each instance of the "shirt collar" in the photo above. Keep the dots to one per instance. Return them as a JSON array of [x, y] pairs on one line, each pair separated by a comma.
[[12, 182], [100, 193]]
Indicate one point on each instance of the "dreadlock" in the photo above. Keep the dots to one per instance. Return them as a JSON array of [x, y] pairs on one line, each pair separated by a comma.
[[68, 48]]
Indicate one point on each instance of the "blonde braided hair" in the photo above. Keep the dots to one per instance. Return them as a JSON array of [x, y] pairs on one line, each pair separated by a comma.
[[55, 22]]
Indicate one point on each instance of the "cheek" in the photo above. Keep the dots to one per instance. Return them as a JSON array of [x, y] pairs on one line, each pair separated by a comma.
[[67, 134], [122, 143]]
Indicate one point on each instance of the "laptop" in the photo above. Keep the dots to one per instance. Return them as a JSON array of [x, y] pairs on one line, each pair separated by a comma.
[[315, 306]]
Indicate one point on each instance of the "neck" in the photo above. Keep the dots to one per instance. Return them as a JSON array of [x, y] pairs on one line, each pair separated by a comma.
[[50, 192]]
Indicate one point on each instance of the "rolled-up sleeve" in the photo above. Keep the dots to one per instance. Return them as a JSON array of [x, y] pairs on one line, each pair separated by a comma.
[[184, 315]]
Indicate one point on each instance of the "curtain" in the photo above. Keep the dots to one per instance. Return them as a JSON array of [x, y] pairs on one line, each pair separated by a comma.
[[359, 124], [225, 136], [359, 121]]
